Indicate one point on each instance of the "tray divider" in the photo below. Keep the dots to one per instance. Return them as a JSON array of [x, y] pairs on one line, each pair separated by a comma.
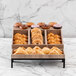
[[45, 36], [61, 37], [12, 37], [28, 36]]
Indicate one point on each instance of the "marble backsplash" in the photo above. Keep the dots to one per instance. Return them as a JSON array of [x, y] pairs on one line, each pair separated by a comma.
[[61, 11]]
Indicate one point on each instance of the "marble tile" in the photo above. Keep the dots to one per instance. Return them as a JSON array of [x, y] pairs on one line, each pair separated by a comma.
[[61, 11], [38, 68]]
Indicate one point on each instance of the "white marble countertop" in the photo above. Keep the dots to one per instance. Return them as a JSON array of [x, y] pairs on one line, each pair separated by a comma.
[[38, 68]]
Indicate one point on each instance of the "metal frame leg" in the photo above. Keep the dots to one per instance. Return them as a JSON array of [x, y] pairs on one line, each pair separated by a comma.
[[62, 60], [11, 63], [63, 63]]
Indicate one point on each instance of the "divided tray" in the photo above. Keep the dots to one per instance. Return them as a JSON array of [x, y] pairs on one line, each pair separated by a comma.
[[45, 44]]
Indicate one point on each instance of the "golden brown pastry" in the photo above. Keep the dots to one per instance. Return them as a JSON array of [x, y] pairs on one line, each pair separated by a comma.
[[20, 39], [55, 51], [37, 41], [18, 24], [29, 50], [23, 27], [45, 26], [36, 30], [36, 36], [37, 50], [50, 34], [29, 24], [52, 23], [41, 24], [20, 50], [46, 50], [56, 36], [53, 39]]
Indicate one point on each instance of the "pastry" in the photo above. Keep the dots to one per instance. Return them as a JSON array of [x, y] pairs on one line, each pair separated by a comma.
[[21, 50], [37, 41], [53, 39], [36, 36], [56, 36], [20, 39], [55, 51], [36, 30], [46, 50], [57, 26], [45, 26], [23, 27], [29, 24], [33, 26], [37, 50], [52, 23], [18, 24], [50, 35], [29, 50], [14, 50], [41, 24]]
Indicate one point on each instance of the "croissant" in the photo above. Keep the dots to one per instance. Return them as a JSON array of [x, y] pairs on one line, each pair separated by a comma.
[[55, 51], [21, 50], [46, 50], [38, 50], [29, 50]]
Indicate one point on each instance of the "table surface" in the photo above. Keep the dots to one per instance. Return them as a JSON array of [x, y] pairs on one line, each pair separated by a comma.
[[40, 67]]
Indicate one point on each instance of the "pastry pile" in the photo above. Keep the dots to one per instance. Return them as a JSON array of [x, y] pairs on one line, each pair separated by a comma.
[[53, 39], [37, 50], [20, 38], [36, 36], [42, 25]]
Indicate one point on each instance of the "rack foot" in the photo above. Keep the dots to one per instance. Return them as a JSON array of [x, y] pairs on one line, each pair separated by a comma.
[[11, 63], [63, 63]]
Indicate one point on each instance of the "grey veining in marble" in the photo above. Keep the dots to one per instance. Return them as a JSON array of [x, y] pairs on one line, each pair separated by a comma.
[[61, 11], [38, 68]]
